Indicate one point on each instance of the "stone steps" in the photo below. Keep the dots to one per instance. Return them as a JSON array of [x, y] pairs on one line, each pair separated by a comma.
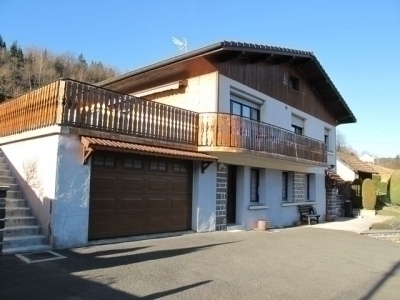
[[18, 212], [27, 249], [16, 203], [21, 232], [13, 231]]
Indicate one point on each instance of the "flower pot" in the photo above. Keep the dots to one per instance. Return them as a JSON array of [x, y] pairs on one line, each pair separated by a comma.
[[262, 224]]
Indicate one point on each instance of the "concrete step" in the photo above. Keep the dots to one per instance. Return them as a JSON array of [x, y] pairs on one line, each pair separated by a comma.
[[23, 241], [5, 173], [2, 159], [6, 180], [15, 194], [18, 212], [21, 230], [3, 166], [28, 249], [19, 221], [234, 227], [13, 187], [16, 203]]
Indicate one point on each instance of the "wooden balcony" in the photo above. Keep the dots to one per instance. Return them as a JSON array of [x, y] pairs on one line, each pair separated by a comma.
[[226, 130], [71, 103]]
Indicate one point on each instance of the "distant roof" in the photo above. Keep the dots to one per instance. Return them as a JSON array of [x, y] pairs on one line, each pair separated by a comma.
[[354, 163], [305, 60]]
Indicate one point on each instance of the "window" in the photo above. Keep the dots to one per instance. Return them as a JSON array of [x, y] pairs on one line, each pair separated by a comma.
[[158, 165], [297, 125], [254, 182], [285, 186], [133, 163], [294, 84], [244, 110], [308, 180], [104, 160], [326, 138], [179, 168]]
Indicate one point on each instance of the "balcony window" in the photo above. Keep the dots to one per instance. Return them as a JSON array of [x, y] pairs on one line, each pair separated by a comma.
[[254, 182], [326, 139], [244, 108], [297, 125]]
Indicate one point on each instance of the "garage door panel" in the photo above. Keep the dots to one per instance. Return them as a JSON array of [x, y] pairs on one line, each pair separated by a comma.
[[158, 185], [178, 204], [133, 183], [103, 204], [128, 200], [129, 204], [157, 204], [104, 182]]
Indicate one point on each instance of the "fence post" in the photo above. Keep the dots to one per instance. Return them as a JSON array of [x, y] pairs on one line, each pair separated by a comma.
[[3, 195]]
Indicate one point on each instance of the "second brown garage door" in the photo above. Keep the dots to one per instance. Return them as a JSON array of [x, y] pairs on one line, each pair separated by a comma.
[[134, 194]]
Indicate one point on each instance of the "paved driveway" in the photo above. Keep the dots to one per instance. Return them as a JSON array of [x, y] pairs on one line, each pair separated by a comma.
[[297, 263]]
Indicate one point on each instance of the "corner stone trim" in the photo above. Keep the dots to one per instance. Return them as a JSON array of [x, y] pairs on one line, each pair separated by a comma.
[[222, 190]]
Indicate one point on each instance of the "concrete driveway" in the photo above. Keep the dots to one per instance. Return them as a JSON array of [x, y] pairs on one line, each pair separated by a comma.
[[297, 263]]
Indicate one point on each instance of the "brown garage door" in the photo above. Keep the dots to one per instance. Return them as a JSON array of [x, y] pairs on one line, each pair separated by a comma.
[[134, 194]]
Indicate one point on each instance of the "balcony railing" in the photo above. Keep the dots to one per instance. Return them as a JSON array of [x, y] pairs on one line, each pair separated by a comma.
[[71, 103], [226, 130]]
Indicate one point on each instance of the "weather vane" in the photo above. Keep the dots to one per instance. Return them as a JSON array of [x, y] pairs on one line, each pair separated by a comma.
[[182, 45]]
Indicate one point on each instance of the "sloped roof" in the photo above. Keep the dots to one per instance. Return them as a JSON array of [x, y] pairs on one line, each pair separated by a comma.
[[111, 145], [305, 60], [354, 163]]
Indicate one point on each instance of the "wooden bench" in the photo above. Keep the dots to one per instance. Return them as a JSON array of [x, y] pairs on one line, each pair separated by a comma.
[[308, 214]]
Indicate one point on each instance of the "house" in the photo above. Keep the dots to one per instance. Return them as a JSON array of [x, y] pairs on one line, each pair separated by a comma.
[[350, 167], [367, 158], [217, 137]]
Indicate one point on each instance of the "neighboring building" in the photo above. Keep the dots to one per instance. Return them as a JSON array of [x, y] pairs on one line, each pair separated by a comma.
[[350, 167], [98, 162], [367, 158]]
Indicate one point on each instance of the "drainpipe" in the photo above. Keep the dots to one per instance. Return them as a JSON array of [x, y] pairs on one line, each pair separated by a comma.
[[3, 195]]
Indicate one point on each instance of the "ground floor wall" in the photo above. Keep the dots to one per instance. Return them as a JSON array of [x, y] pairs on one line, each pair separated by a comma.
[[306, 185]]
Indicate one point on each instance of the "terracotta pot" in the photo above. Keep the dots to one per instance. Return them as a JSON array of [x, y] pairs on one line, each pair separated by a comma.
[[262, 224]]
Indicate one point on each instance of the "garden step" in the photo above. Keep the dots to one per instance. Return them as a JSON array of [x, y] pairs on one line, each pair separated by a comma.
[[16, 203], [27, 249], [23, 241], [5, 173], [21, 230], [6, 180], [15, 194], [19, 221], [13, 187], [18, 211]]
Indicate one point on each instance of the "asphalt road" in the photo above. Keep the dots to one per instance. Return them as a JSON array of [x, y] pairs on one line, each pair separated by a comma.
[[297, 263]]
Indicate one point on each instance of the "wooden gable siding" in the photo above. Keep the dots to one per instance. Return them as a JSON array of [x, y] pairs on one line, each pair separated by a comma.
[[268, 79], [163, 75]]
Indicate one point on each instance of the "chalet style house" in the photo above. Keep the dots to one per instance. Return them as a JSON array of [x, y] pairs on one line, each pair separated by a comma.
[[221, 136]]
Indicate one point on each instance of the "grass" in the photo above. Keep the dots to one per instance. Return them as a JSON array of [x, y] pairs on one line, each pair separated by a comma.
[[393, 223], [389, 211]]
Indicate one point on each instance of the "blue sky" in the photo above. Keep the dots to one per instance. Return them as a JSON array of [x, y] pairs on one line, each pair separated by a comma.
[[357, 42]]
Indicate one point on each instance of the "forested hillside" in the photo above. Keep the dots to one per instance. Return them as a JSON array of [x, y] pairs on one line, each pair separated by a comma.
[[22, 70]]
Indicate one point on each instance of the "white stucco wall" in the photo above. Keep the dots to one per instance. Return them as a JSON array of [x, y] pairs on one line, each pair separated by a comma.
[[272, 207], [204, 197], [345, 172], [48, 167], [70, 219], [274, 112], [32, 157], [200, 95]]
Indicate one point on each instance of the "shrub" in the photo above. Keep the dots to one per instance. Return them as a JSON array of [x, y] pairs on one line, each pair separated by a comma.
[[368, 194], [356, 193], [376, 179], [394, 188]]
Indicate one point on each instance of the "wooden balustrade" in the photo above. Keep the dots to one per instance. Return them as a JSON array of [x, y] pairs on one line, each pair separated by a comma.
[[226, 130], [71, 103]]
